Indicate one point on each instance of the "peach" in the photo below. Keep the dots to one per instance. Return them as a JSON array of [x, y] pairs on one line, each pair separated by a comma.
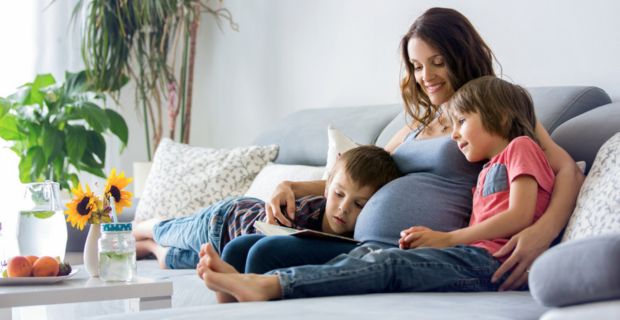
[[32, 259], [19, 266], [45, 267]]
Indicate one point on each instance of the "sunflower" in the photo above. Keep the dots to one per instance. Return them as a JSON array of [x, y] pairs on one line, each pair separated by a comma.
[[81, 207], [114, 188]]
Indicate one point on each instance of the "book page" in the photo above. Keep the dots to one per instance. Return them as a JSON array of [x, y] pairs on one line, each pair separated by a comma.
[[273, 230]]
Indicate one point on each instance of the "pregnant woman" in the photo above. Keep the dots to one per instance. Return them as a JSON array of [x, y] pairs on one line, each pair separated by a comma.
[[440, 52]]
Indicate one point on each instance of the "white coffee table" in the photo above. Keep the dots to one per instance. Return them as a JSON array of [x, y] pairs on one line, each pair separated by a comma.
[[152, 293]]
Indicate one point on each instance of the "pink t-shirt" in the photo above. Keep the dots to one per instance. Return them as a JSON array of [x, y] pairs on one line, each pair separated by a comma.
[[522, 156]]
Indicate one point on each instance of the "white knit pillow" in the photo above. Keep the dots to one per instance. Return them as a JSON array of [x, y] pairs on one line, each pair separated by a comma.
[[598, 205], [184, 178], [267, 179], [338, 143]]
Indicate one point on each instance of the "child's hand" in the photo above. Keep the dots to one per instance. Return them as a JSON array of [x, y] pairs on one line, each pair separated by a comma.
[[418, 236]]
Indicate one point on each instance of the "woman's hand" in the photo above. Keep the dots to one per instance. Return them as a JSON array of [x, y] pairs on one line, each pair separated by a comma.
[[524, 247], [282, 196], [424, 237]]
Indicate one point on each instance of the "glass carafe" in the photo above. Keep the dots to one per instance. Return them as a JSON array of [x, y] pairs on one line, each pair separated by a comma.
[[41, 226]]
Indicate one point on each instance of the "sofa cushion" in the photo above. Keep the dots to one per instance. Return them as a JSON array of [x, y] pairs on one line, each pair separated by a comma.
[[338, 143], [583, 135], [598, 205], [555, 105], [303, 139], [578, 271], [184, 178], [267, 179], [418, 305], [604, 310]]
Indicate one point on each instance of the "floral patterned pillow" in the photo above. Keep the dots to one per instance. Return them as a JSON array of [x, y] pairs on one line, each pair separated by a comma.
[[184, 178], [598, 205]]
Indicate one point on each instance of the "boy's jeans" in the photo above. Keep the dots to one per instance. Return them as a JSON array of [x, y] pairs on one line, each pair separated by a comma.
[[370, 269], [184, 236]]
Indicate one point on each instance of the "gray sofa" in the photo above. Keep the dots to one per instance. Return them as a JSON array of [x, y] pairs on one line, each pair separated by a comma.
[[580, 119]]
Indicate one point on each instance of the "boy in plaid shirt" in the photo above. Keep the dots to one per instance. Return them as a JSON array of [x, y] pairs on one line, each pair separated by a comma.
[[356, 176]]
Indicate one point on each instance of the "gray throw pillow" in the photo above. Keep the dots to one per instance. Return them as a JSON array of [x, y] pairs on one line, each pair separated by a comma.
[[577, 271]]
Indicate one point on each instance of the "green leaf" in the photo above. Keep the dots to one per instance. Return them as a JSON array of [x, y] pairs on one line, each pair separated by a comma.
[[96, 145], [8, 128], [89, 164], [5, 106], [75, 83], [95, 116], [43, 214], [25, 165], [38, 162], [52, 142], [41, 81], [118, 126], [31, 166], [75, 142], [60, 172], [74, 180]]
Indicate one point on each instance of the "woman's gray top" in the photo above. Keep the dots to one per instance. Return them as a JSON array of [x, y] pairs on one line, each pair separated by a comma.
[[435, 192]]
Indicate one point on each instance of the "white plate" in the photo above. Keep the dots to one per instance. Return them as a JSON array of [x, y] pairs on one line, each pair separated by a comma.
[[35, 280]]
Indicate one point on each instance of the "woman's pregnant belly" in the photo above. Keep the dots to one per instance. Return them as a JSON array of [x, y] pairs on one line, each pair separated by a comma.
[[422, 199]]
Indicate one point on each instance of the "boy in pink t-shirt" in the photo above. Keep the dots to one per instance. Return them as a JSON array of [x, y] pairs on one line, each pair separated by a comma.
[[491, 120]]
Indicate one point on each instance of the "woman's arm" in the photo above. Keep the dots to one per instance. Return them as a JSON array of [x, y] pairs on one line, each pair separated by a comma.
[[285, 195], [528, 244]]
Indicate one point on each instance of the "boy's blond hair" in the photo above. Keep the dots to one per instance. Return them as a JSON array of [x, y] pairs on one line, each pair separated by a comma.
[[505, 109], [367, 165]]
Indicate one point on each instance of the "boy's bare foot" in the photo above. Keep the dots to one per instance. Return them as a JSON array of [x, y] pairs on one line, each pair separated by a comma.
[[215, 263], [244, 287], [144, 229], [212, 261], [146, 247]]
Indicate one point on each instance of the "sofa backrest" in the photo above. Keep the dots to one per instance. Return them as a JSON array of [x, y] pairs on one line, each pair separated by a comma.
[[302, 135], [583, 135]]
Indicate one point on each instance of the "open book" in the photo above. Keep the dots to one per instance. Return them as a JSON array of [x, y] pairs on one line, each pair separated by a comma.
[[273, 230]]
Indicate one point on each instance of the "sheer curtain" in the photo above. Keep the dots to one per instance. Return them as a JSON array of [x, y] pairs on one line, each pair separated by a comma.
[[36, 38]]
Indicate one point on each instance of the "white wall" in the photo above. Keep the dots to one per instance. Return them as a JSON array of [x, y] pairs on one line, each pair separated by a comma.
[[291, 55]]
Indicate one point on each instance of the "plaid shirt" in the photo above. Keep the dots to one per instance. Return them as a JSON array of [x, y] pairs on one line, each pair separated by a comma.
[[240, 217]]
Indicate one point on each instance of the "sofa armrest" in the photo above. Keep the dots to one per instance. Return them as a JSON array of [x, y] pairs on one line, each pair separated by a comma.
[[577, 271]]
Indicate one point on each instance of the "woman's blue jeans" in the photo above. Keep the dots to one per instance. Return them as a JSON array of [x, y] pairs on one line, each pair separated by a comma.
[[260, 254], [373, 269]]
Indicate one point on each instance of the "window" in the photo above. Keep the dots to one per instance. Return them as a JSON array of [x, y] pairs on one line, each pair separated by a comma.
[[17, 64]]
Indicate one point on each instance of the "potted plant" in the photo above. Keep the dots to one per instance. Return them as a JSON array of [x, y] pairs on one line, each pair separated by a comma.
[[57, 129], [141, 41]]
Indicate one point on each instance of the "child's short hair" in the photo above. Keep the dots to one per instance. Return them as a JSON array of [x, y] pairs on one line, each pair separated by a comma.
[[505, 109], [367, 165]]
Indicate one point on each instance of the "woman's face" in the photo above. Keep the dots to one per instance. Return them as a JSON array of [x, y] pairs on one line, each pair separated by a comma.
[[430, 71]]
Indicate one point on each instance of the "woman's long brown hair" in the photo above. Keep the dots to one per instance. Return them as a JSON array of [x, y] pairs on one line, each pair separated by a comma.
[[465, 54]]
